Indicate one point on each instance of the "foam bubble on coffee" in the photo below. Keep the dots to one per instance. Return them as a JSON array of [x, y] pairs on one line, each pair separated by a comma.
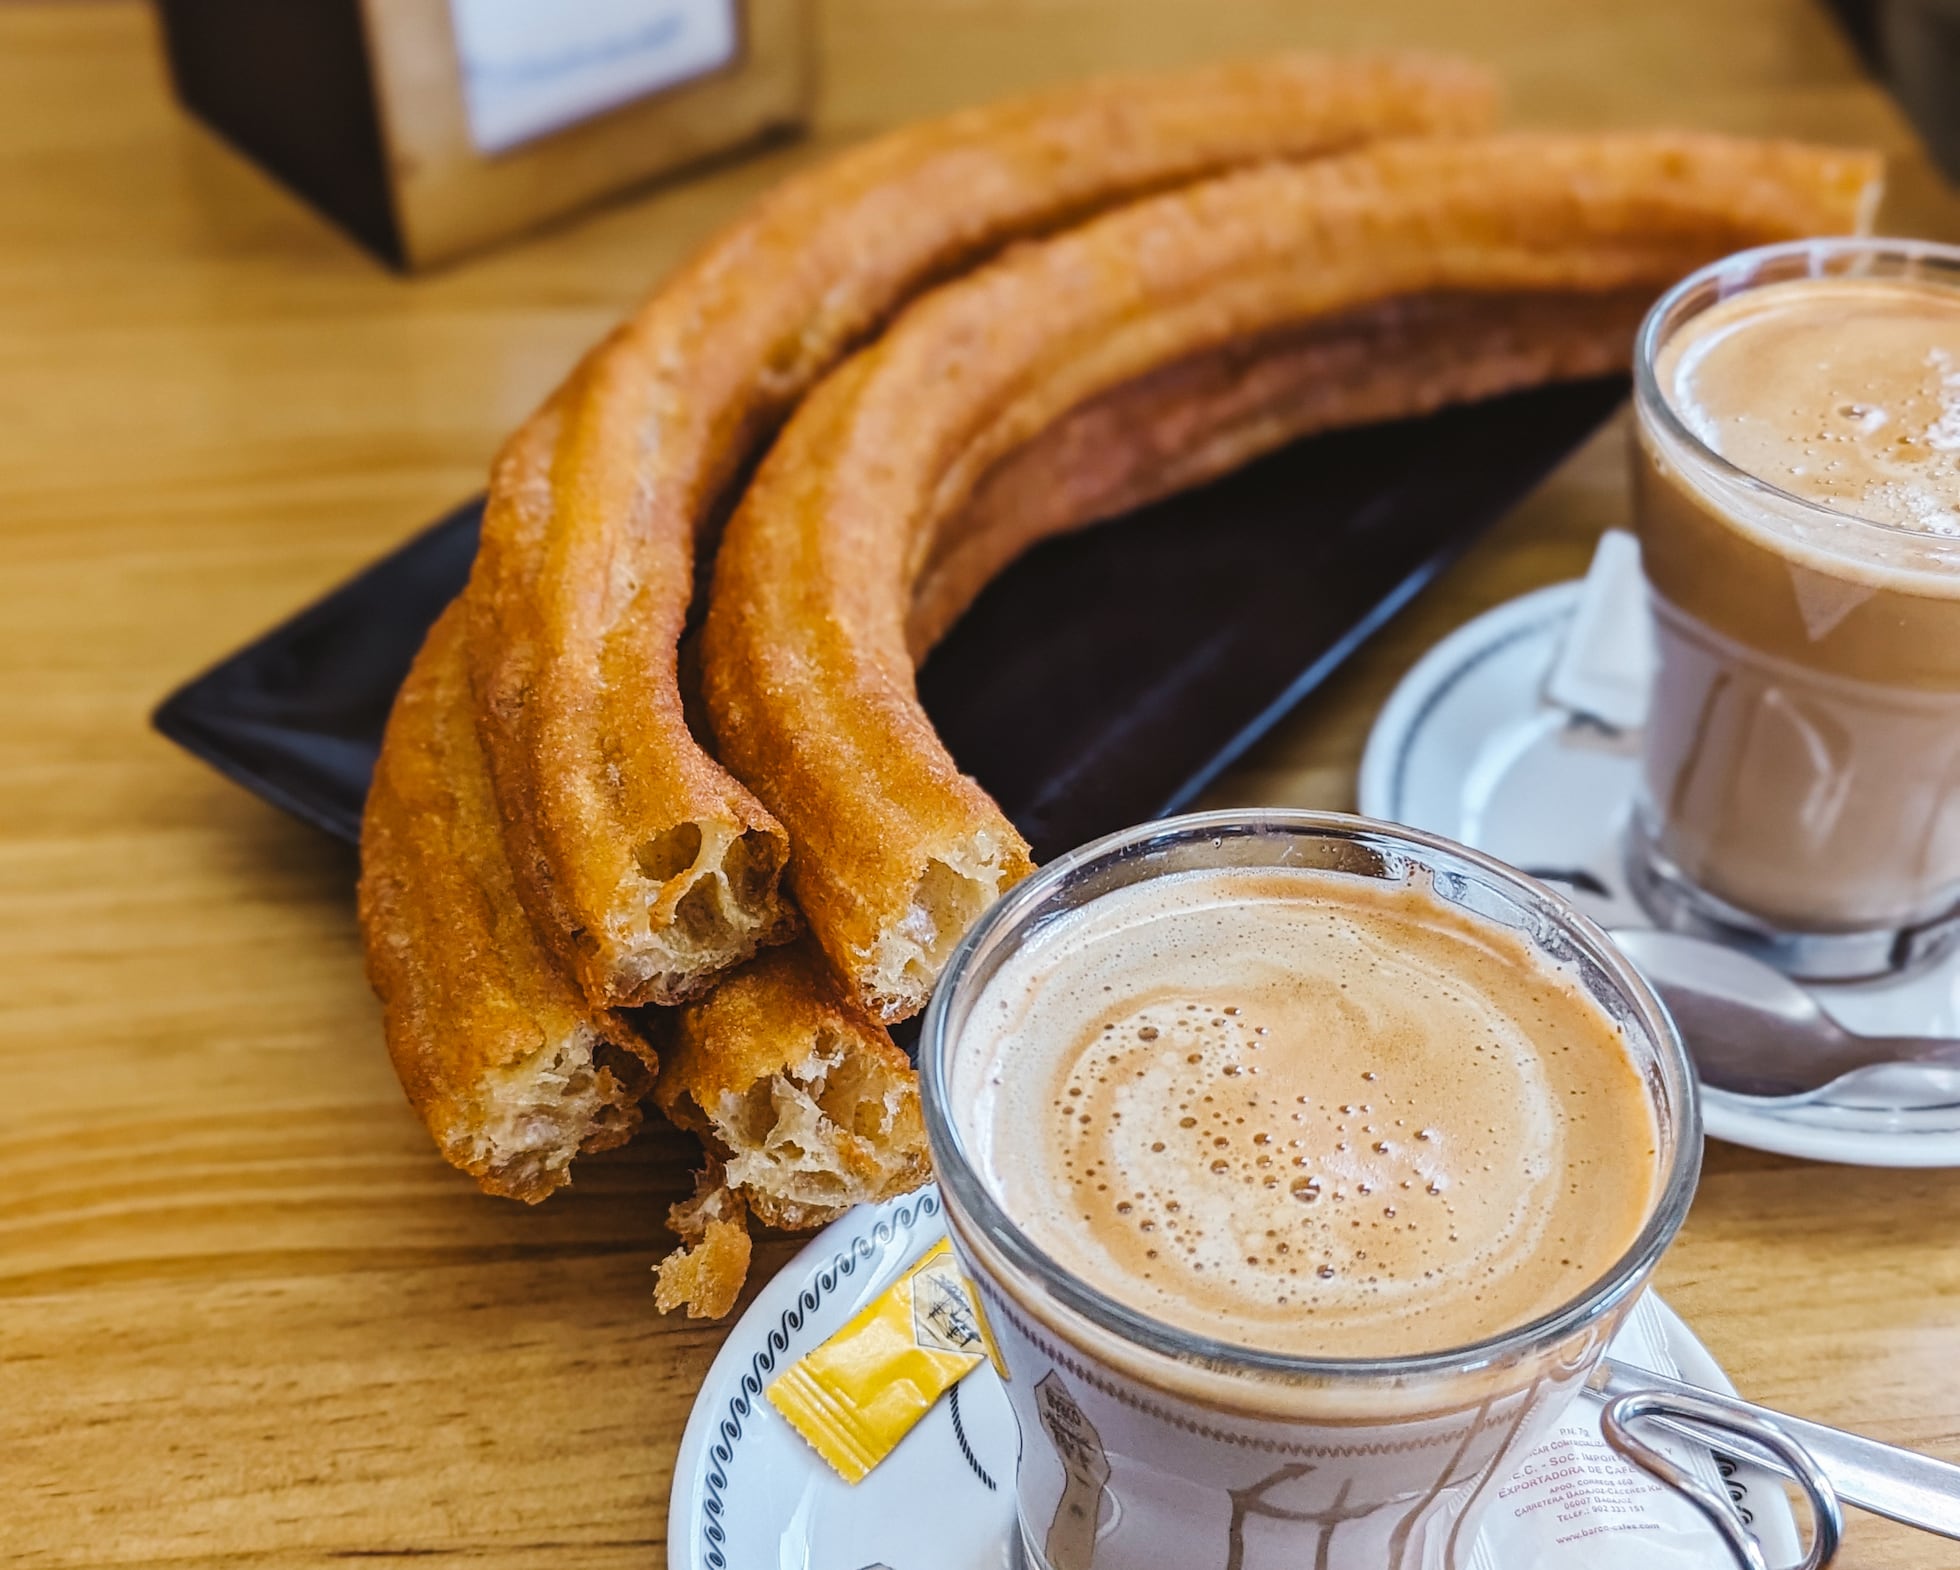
[[1309, 1113], [1842, 391]]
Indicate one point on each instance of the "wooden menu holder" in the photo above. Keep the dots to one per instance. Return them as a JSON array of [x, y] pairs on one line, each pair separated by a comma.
[[363, 107]]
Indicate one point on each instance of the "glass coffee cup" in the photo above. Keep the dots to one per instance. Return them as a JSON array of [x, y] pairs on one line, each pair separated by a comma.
[[1145, 1445], [1801, 761]]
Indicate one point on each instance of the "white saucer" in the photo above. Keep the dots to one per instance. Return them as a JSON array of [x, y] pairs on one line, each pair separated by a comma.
[[749, 1493], [1468, 747]]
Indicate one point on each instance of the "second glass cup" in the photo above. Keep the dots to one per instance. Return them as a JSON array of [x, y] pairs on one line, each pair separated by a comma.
[[1146, 1446], [1801, 783]]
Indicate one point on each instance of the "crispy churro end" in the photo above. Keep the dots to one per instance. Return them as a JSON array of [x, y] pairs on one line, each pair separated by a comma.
[[913, 944], [804, 1096], [533, 1117], [512, 1070]]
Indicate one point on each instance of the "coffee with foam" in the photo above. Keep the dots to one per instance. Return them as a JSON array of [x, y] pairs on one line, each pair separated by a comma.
[[1802, 757], [1307, 1113], [1842, 391]]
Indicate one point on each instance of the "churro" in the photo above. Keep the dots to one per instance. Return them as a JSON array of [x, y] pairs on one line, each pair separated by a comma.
[[1204, 416], [795, 1090], [511, 1069], [809, 671], [804, 1105], [647, 867]]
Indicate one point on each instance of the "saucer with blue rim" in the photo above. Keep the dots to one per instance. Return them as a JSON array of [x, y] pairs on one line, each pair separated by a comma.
[[749, 1493], [1471, 746]]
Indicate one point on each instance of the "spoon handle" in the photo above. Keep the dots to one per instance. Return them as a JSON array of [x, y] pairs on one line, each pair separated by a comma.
[[1901, 1485], [1943, 1051]]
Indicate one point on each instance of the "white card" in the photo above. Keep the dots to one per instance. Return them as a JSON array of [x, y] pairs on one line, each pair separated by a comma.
[[531, 67]]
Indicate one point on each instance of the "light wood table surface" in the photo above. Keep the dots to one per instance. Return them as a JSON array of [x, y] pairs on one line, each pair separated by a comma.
[[247, 1317]]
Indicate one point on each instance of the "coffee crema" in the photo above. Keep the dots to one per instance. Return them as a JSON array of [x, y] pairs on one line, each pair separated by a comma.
[[1308, 1113], [1842, 391]]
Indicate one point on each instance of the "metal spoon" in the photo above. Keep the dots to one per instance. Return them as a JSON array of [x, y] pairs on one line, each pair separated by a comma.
[[1903, 1485], [1753, 1030]]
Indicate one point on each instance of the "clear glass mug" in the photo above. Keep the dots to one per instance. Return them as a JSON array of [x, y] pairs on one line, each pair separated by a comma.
[[1800, 791], [1143, 1447]]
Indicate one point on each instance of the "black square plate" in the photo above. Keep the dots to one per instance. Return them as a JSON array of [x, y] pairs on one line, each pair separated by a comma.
[[1104, 678]]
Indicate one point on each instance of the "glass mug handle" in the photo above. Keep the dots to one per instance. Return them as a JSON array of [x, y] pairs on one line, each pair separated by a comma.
[[1702, 1415]]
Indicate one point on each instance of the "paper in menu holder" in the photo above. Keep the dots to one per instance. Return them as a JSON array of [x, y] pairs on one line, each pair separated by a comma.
[[529, 69]]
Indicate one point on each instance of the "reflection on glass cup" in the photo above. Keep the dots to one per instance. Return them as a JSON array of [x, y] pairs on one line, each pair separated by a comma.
[[1146, 1446], [1801, 785]]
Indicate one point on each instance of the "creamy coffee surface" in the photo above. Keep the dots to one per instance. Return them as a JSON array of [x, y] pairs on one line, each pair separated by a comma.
[[1307, 1113], [1842, 391]]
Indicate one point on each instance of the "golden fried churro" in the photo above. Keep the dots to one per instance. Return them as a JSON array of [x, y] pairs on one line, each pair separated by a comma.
[[795, 1089], [809, 668], [512, 1070], [1206, 415], [805, 1107], [646, 866]]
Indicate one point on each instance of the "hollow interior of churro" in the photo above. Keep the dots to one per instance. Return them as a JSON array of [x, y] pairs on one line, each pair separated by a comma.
[[706, 900], [575, 1094], [833, 1129], [956, 887]]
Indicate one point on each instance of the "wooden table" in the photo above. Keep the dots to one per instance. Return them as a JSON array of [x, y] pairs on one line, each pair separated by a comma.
[[249, 1318]]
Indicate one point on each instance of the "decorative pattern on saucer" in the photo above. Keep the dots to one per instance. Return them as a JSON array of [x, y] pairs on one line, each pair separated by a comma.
[[913, 1218], [748, 1491]]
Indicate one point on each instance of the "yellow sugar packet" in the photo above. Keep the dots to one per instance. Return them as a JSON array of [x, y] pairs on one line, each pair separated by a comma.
[[860, 1392]]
